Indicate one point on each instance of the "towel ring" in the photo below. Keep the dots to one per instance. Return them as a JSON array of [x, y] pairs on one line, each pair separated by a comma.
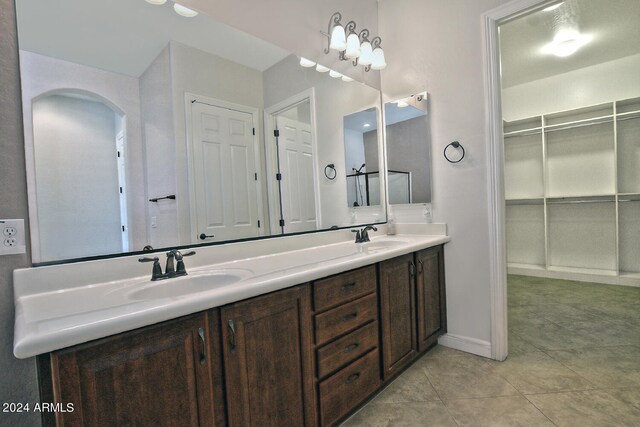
[[332, 167], [454, 144]]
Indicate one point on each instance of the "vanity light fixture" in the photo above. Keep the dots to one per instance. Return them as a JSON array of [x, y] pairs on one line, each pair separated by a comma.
[[306, 63], [354, 46], [184, 11]]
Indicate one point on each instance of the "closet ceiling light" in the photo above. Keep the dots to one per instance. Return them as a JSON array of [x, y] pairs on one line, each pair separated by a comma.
[[553, 7], [157, 2], [366, 125], [184, 11], [306, 63], [566, 43]]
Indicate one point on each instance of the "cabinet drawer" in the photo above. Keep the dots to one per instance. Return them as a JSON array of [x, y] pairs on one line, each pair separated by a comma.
[[347, 348], [344, 287], [340, 393], [345, 318]]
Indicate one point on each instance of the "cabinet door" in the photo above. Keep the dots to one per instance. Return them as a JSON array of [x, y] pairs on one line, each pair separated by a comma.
[[397, 312], [268, 360], [431, 298], [160, 375]]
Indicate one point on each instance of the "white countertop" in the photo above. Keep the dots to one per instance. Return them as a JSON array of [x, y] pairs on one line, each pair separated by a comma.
[[50, 316]]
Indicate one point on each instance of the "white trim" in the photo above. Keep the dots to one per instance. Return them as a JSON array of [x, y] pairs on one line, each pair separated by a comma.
[[467, 344], [269, 126], [188, 97], [495, 155]]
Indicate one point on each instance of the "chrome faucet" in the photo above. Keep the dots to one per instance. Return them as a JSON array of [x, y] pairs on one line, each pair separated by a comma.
[[362, 236], [169, 270]]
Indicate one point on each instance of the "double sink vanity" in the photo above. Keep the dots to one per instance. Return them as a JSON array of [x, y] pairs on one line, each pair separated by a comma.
[[299, 331]]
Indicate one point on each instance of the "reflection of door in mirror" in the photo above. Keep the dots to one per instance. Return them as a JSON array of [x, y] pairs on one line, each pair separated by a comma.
[[361, 158], [408, 150], [293, 167], [225, 178], [78, 148]]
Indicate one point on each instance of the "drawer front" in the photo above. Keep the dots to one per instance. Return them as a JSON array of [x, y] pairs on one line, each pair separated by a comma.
[[344, 287], [342, 392], [347, 317], [347, 349]]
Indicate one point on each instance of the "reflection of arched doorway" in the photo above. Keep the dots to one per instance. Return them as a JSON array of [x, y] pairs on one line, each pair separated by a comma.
[[80, 182]]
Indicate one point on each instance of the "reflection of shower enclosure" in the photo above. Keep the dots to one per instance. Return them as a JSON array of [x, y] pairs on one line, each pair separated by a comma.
[[363, 189]]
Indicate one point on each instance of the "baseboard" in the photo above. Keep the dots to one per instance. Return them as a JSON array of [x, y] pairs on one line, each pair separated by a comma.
[[466, 344]]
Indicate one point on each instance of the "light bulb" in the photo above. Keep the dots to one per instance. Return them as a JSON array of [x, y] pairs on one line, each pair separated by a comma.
[[378, 59], [353, 46], [366, 54], [321, 68], [184, 11], [156, 2], [334, 74], [306, 63], [347, 79], [338, 38]]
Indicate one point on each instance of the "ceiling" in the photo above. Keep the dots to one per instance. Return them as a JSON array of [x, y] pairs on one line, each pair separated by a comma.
[[125, 36], [612, 25]]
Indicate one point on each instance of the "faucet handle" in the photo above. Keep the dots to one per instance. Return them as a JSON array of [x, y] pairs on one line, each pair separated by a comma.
[[358, 236], [156, 273], [180, 269]]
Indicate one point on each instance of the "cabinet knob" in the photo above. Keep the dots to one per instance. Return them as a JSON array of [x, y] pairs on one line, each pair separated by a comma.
[[352, 347], [232, 337], [203, 346], [352, 378], [350, 316]]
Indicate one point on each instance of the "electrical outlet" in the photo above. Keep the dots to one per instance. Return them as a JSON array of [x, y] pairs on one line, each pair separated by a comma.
[[13, 238]]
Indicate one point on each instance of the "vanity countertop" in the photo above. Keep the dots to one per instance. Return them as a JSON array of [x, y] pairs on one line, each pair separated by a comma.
[[50, 316]]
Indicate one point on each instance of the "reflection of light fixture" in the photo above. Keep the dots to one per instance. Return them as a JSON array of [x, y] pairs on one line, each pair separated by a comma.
[[355, 47], [347, 79], [321, 68], [366, 125], [156, 2], [306, 63], [553, 7], [565, 43], [402, 103], [184, 11], [334, 74]]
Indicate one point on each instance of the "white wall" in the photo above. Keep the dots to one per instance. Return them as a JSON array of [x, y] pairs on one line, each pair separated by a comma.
[[77, 179], [41, 74], [156, 104], [597, 84], [436, 46]]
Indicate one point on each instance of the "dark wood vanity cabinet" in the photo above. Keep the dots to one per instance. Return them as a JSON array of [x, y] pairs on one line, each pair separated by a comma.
[[431, 298], [398, 313], [412, 306], [303, 356], [161, 375], [268, 361]]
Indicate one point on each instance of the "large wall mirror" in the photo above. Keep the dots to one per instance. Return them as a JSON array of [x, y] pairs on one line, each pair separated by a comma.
[[148, 129], [408, 150]]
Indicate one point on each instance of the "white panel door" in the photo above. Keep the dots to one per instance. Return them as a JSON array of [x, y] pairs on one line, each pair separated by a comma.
[[224, 173], [297, 189]]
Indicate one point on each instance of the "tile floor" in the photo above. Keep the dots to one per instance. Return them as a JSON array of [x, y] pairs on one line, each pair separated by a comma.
[[574, 360]]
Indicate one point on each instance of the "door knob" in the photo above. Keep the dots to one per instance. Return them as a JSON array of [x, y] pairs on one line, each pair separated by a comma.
[[204, 236]]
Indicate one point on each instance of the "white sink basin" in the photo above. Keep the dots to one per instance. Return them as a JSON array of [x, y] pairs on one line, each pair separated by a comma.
[[382, 245], [176, 287]]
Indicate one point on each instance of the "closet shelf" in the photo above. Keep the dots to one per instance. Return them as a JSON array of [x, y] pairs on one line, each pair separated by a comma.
[[526, 201], [578, 123], [524, 132]]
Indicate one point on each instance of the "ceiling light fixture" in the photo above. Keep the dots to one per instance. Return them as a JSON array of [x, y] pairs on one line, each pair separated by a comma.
[[565, 43], [553, 7], [184, 11], [354, 46]]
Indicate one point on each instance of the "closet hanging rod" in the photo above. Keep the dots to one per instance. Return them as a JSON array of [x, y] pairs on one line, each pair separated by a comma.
[[628, 200], [629, 117], [554, 128], [526, 132], [567, 202]]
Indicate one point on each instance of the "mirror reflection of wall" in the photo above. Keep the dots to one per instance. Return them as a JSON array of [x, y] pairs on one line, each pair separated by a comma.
[[408, 150], [361, 158], [186, 99]]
